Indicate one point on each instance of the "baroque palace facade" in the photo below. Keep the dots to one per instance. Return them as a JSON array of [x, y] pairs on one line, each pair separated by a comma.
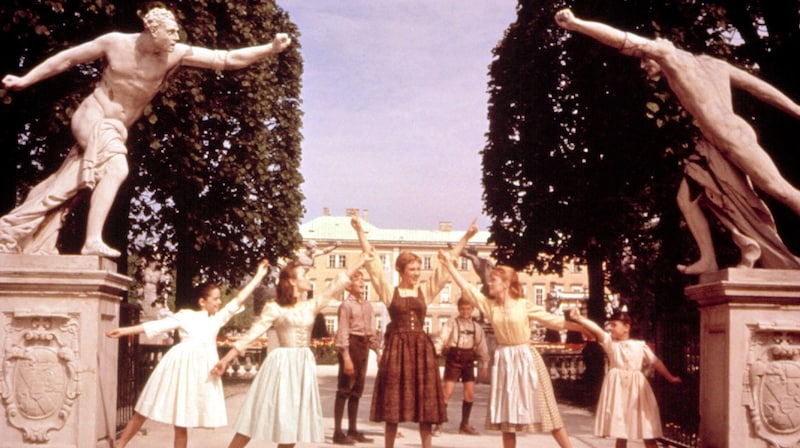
[[552, 291]]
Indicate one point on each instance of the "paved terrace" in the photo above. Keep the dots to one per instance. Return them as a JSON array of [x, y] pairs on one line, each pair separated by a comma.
[[578, 421]]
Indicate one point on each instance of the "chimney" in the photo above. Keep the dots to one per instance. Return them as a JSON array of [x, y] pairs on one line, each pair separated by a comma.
[[326, 211], [445, 226], [365, 215]]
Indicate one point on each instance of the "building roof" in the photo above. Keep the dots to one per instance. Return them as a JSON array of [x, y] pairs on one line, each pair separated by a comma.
[[337, 228]]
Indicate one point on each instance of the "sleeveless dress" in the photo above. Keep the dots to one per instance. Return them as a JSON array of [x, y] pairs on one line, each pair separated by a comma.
[[283, 403], [181, 391], [408, 387], [627, 408]]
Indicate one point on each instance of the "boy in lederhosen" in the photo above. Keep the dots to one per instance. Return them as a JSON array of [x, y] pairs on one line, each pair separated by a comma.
[[461, 341]]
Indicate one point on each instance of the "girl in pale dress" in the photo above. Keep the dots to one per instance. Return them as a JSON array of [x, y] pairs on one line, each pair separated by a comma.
[[521, 397], [283, 403], [407, 386], [180, 391], [627, 408]]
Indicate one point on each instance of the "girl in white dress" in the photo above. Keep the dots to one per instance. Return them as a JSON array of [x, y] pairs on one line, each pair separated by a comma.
[[180, 391], [283, 403], [627, 408]]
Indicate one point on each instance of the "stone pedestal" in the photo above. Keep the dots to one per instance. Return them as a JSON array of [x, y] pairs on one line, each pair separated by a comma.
[[749, 358], [58, 382]]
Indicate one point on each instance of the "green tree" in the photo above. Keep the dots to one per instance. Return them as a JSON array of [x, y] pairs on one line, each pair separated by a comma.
[[214, 183], [584, 155]]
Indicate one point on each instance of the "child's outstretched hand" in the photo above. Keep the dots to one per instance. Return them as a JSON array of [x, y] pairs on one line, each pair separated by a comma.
[[263, 268], [674, 379], [114, 334], [219, 368], [355, 222]]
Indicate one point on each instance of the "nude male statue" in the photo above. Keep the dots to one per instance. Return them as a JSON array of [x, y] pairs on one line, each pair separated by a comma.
[[137, 65], [306, 257], [703, 85]]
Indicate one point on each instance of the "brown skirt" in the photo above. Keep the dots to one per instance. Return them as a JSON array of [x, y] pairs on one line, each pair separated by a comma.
[[408, 387]]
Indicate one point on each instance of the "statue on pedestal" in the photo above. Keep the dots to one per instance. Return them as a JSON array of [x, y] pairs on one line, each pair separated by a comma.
[[727, 158], [306, 257], [136, 67]]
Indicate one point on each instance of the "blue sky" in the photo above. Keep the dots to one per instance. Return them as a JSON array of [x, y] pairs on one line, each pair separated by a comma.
[[395, 102]]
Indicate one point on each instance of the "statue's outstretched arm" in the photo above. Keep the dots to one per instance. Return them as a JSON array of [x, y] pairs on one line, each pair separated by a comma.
[[58, 63], [762, 90], [235, 59], [627, 43]]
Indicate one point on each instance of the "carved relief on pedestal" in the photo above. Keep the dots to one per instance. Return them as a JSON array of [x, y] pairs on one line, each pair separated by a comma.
[[772, 383], [39, 381]]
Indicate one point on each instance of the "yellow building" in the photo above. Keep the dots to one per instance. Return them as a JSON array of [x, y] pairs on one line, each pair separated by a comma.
[[327, 231]]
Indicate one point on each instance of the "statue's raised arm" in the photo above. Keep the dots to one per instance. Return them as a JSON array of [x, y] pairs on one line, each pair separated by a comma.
[[626, 42]]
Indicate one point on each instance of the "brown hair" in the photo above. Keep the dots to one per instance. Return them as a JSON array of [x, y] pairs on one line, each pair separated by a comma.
[[464, 301], [357, 275], [509, 274], [202, 291], [404, 259], [621, 316], [284, 292]]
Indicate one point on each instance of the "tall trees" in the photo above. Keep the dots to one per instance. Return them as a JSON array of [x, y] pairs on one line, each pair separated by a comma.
[[214, 177], [584, 155]]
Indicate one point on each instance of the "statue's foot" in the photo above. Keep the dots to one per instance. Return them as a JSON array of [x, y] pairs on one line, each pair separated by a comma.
[[701, 266], [99, 248], [750, 254]]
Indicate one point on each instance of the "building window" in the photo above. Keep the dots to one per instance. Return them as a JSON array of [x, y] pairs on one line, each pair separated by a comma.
[[463, 264], [524, 290], [385, 262], [366, 290], [443, 321], [330, 324], [337, 261], [310, 293], [426, 263], [446, 293], [427, 325], [576, 288], [538, 294]]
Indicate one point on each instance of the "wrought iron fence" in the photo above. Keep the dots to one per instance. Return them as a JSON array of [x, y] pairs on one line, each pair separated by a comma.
[[678, 346], [127, 388]]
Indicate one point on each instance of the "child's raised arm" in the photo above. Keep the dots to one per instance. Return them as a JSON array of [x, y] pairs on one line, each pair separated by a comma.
[[595, 329], [261, 271], [362, 237], [363, 259], [446, 259], [462, 243]]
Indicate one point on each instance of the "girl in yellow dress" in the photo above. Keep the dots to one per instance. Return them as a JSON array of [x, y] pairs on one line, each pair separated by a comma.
[[521, 397]]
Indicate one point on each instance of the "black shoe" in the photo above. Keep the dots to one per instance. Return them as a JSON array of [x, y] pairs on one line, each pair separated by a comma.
[[359, 437], [339, 438]]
